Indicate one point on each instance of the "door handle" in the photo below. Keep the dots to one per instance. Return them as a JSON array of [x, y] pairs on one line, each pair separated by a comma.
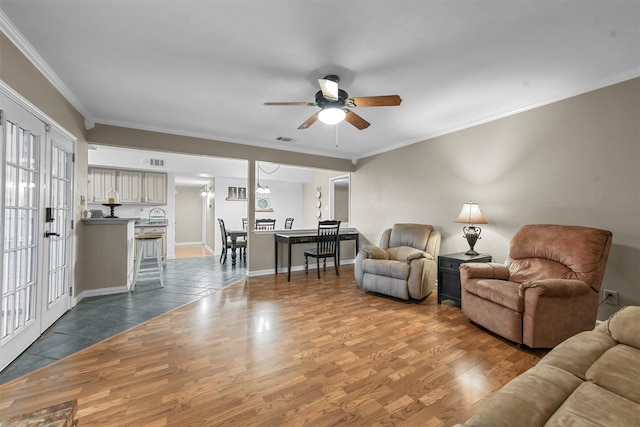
[[49, 234]]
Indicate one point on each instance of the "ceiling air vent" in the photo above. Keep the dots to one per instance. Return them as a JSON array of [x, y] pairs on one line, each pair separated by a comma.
[[284, 139], [154, 162]]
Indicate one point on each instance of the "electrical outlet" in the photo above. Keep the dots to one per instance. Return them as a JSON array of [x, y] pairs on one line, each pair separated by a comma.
[[611, 297]]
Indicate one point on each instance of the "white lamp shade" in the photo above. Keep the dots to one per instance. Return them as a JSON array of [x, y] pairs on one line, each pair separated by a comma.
[[331, 116], [471, 214]]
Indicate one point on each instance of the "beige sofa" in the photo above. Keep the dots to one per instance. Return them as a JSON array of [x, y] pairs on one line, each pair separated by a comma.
[[590, 379], [404, 265]]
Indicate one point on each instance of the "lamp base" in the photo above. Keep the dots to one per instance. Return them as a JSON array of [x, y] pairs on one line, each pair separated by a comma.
[[472, 234]]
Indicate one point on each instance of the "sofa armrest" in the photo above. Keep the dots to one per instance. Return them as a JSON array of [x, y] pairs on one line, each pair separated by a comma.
[[375, 252], [417, 255], [483, 270], [556, 287]]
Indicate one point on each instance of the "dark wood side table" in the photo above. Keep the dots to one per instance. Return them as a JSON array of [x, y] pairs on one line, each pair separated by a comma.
[[449, 274]]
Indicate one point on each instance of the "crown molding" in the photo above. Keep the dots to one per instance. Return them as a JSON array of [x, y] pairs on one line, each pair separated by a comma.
[[16, 37]]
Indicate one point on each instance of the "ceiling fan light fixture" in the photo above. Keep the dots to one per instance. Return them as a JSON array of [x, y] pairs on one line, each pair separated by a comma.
[[331, 116]]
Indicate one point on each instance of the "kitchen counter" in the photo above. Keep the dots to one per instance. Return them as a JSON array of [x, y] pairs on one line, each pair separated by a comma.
[[111, 221], [106, 262], [147, 223], [138, 222]]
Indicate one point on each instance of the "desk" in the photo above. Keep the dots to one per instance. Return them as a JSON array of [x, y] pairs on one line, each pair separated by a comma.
[[293, 239], [234, 234]]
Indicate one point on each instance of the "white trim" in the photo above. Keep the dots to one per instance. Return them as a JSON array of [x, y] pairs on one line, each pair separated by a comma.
[[16, 37], [200, 243], [24, 103], [99, 292], [312, 266]]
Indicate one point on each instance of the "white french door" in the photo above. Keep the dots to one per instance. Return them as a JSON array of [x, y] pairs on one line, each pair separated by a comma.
[[58, 233], [36, 268]]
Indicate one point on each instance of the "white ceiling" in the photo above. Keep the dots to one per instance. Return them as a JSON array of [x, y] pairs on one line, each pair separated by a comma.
[[204, 68]]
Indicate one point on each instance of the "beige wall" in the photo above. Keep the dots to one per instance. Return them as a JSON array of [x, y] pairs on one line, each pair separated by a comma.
[[572, 162], [23, 77], [188, 215]]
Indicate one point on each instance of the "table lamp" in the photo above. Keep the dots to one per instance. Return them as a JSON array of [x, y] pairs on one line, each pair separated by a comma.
[[471, 214]]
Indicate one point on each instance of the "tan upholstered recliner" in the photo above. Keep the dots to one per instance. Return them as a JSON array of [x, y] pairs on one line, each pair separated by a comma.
[[548, 290], [404, 265]]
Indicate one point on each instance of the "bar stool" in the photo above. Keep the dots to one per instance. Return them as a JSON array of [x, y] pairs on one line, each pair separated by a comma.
[[141, 240]]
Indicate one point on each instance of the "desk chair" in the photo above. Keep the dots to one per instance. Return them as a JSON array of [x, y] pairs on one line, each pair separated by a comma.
[[326, 246]]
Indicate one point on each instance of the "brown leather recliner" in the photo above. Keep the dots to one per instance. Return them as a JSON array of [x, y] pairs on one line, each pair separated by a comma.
[[404, 265], [548, 290]]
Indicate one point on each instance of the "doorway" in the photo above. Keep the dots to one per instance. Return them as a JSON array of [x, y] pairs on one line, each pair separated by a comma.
[[37, 218], [340, 197]]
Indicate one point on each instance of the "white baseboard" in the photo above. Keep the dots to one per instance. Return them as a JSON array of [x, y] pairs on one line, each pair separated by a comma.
[[188, 243], [99, 292], [312, 266]]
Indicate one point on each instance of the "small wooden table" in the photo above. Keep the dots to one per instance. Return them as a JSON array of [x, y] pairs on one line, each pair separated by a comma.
[[449, 274], [234, 234]]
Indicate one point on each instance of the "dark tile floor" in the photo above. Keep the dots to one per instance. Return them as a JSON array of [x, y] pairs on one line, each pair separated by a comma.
[[97, 318]]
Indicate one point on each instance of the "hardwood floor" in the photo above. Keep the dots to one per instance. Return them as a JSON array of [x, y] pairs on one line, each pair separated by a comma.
[[267, 352], [191, 251]]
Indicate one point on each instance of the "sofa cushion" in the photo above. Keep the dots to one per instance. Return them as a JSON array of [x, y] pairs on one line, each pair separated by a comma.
[[589, 345], [375, 252], [618, 371], [414, 235], [501, 292], [389, 268], [624, 326], [528, 400], [406, 253], [591, 405], [557, 251]]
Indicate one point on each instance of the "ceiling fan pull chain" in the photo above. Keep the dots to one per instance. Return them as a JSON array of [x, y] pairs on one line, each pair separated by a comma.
[[336, 126]]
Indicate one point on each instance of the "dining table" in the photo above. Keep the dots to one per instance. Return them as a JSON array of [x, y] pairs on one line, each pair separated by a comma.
[[233, 235]]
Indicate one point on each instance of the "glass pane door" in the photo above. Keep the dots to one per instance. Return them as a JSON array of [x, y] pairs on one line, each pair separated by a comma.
[[58, 233], [22, 136]]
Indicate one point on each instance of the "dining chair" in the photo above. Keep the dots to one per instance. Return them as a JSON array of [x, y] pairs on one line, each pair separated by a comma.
[[326, 246], [227, 244], [288, 223], [245, 223], [265, 224]]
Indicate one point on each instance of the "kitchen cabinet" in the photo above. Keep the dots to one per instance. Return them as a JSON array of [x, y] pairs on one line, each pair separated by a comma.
[[100, 182], [155, 188], [129, 185], [133, 186]]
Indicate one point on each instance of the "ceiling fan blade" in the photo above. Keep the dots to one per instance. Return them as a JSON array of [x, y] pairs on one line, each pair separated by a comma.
[[311, 120], [356, 120], [375, 101], [301, 104], [329, 89]]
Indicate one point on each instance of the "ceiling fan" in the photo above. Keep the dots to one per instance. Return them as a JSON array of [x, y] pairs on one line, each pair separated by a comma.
[[335, 104]]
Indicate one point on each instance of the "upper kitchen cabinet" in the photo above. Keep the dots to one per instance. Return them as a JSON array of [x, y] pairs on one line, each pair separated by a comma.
[[133, 187], [130, 186], [101, 181], [155, 188]]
